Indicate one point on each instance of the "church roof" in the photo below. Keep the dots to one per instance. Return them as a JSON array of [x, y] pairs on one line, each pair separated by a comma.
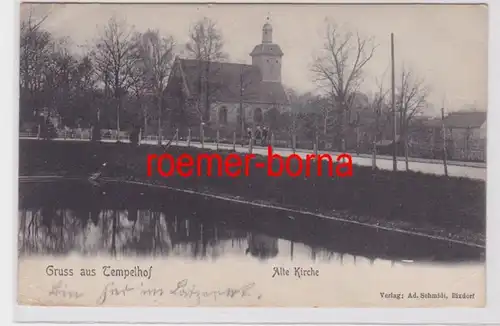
[[267, 48], [226, 79]]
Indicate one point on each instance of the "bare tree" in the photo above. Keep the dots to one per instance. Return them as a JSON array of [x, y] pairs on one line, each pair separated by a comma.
[[35, 48], [140, 90], [86, 93], [156, 54], [340, 68], [411, 100], [380, 107], [205, 45], [58, 73], [115, 56], [327, 109]]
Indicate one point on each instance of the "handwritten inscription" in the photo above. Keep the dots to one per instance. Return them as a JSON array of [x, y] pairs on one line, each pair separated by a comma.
[[112, 290], [60, 289], [182, 289], [188, 291]]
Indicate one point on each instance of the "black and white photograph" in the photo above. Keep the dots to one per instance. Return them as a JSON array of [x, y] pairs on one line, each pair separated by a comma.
[[252, 155]]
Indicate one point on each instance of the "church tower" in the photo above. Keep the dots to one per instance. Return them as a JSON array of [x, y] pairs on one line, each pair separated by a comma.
[[267, 56]]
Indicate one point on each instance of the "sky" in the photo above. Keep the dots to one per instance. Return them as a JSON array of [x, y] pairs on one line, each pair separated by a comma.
[[446, 45]]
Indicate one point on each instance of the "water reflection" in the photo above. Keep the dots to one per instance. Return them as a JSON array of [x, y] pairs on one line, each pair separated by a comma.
[[262, 246], [143, 233], [120, 220]]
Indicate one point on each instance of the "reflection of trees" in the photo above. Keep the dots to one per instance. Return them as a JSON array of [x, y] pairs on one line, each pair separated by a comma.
[[262, 246], [148, 232], [131, 231], [150, 235], [49, 230], [200, 239], [168, 227]]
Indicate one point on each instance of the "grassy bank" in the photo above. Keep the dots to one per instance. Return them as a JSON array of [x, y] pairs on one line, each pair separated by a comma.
[[420, 200]]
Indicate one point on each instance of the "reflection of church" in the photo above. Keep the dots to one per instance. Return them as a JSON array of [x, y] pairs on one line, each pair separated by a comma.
[[257, 86], [262, 246]]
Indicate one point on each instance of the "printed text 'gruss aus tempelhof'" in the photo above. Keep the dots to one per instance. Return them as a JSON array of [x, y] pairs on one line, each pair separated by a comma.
[[234, 165]]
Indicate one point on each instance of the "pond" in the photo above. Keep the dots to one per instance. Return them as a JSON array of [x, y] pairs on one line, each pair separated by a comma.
[[118, 220]]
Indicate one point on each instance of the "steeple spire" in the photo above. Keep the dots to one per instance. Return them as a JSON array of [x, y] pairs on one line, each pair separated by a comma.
[[267, 32]]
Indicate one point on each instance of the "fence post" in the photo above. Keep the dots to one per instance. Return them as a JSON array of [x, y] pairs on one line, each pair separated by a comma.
[[140, 137], [443, 127], [217, 140], [294, 143], [202, 135], [273, 140], [91, 132], [433, 141], [357, 140], [250, 145], [177, 137], [374, 156], [234, 141], [467, 144], [39, 131], [316, 146], [406, 140], [189, 137]]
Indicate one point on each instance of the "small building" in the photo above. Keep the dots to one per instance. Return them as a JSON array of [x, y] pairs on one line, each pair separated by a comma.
[[465, 134], [233, 91]]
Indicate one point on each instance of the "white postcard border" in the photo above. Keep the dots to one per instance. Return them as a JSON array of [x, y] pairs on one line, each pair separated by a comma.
[[249, 315]]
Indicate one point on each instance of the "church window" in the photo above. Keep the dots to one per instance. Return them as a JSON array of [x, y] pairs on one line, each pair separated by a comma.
[[257, 115], [223, 115]]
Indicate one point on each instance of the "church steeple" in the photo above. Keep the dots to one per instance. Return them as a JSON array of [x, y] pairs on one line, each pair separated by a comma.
[[267, 55], [267, 32]]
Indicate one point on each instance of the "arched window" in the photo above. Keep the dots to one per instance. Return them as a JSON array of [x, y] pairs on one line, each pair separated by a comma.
[[223, 115], [257, 115]]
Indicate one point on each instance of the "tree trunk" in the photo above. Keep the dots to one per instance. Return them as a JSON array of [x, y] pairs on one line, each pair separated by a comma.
[[342, 129], [242, 122], [406, 147], [118, 104], [160, 133], [207, 93]]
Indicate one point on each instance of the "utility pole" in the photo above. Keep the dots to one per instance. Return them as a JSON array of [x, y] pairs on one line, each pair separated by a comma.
[[443, 127], [242, 114], [159, 103], [394, 160]]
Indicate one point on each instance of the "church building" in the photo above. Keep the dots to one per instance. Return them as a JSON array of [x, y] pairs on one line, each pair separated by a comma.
[[230, 90]]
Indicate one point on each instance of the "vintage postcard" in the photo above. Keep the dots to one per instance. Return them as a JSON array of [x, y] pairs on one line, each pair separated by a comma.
[[252, 155]]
